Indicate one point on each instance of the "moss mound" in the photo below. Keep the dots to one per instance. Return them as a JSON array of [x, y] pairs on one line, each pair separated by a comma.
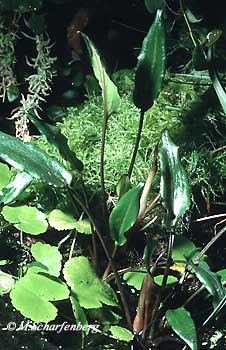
[[182, 109]]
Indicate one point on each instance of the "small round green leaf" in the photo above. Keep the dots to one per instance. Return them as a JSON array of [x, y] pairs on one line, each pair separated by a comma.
[[32, 295], [89, 289], [48, 256], [61, 221], [83, 226], [25, 218]]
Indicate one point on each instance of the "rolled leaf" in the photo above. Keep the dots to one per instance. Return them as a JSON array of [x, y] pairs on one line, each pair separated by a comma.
[[109, 90], [174, 186], [124, 215], [150, 68], [33, 160], [59, 141]]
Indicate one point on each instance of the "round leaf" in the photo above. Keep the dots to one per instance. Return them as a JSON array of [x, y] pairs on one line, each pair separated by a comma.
[[89, 289], [48, 256], [32, 293], [25, 218], [61, 221]]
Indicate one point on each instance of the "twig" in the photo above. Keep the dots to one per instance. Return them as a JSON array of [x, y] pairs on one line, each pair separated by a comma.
[[211, 242], [137, 143], [187, 23], [218, 149], [72, 245], [164, 281], [210, 217], [103, 139]]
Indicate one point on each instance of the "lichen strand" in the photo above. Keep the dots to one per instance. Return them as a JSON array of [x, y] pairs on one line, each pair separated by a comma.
[[8, 35], [82, 126], [39, 86]]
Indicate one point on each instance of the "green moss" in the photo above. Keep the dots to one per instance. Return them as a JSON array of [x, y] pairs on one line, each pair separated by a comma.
[[180, 109]]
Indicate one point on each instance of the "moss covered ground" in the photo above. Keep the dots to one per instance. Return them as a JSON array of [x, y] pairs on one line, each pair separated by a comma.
[[183, 109]]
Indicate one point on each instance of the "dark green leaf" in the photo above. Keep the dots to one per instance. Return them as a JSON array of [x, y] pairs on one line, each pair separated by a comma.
[[91, 85], [70, 95], [154, 5], [37, 23], [199, 58], [56, 113], [183, 325], [124, 215], [174, 186], [109, 90], [192, 18], [33, 160], [15, 187], [12, 93], [78, 78], [215, 79], [210, 281], [150, 68], [56, 139]]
